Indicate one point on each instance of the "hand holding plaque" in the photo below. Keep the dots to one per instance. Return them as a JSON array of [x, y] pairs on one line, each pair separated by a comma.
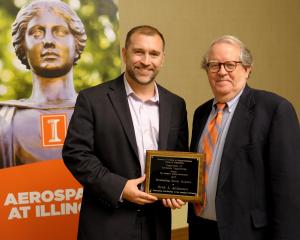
[[171, 174]]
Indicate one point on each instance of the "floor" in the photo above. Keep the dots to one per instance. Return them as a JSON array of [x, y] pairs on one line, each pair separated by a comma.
[[180, 234]]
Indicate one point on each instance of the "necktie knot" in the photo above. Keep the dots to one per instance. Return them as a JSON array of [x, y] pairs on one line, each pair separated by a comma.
[[220, 106]]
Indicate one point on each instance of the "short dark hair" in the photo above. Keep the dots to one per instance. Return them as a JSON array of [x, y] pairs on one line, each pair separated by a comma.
[[146, 30], [30, 10]]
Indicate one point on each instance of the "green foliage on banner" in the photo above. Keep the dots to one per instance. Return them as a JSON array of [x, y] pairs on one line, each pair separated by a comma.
[[99, 62]]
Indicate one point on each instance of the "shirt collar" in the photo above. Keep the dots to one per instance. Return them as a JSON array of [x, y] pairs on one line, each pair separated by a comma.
[[130, 92], [232, 103]]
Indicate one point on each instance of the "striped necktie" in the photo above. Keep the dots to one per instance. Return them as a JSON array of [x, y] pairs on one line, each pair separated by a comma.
[[208, 144]]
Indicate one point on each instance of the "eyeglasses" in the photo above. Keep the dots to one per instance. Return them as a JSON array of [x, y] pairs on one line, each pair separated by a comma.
[[215, 67]]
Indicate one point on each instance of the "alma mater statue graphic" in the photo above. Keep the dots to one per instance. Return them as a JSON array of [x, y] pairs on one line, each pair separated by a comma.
[[48, 38]]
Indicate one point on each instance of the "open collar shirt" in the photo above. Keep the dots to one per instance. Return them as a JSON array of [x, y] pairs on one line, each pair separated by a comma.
[[145, 118]]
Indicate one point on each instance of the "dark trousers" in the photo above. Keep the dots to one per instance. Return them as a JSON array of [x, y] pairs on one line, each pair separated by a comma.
[[145, 226], [203, 229]]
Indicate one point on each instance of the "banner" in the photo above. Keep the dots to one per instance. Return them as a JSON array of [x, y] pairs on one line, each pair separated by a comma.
[[39, 201], [39, 198]]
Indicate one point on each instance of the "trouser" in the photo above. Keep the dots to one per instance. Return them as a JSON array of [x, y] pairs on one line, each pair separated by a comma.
[[203, 229], [145, 226]]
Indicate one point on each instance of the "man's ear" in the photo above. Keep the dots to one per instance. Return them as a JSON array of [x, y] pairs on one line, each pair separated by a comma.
[[163, 58], [124, 54], [249, 70]]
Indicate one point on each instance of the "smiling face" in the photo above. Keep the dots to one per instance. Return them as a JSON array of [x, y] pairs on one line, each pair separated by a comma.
[[226, 85], [49, 44], [143, 58]]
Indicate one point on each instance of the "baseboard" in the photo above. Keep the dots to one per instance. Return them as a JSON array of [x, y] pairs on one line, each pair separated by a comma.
[[180, 234]]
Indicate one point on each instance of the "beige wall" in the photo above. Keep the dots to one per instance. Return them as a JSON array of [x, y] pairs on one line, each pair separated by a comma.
[[270, 28]]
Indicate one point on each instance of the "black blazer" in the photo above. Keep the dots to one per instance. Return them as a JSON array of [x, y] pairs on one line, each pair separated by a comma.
[[100, 150], [258, 192]]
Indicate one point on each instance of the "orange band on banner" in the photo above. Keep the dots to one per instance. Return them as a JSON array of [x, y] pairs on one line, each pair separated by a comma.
[[39, 201]]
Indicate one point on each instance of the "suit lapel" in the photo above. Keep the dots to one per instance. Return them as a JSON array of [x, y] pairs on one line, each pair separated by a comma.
[[164, 118], [119, 101], [238, 134]]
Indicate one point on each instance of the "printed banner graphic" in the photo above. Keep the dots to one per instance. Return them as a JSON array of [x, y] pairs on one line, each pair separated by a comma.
[[37, 200], [53, 129]]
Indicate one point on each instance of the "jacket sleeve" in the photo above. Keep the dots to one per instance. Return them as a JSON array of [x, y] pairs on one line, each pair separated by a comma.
[[80, 158], [284, 166], [182, 144]]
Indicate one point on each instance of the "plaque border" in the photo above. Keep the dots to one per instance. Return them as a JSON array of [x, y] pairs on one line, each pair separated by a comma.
[[176, 154]]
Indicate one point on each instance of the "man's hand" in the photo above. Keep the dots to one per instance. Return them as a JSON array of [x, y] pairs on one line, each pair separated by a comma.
[[173, 203], [133, 194]]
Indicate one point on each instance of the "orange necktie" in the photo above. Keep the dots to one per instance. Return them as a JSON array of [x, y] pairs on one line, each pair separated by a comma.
[[208, 144]]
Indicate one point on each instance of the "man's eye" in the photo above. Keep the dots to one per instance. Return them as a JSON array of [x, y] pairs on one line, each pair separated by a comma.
[[230, 65], [214, 65], [154, 54]]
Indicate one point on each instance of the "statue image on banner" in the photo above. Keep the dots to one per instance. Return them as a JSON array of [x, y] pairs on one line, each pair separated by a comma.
[[33, 128], [48, 38]]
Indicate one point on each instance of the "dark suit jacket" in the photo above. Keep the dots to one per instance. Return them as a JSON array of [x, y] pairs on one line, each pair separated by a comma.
[[258, 192], [101, 152]]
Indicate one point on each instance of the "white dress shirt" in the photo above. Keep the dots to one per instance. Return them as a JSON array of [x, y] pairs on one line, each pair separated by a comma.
[[145, 118]]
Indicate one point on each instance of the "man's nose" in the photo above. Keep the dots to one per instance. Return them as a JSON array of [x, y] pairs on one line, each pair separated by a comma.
[[145, 59], [222, 70]]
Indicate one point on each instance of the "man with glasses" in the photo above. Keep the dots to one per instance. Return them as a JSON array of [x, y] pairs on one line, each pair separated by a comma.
[[251, 139]]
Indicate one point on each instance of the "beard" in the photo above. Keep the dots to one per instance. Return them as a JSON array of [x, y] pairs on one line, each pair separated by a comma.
[[134, 76]]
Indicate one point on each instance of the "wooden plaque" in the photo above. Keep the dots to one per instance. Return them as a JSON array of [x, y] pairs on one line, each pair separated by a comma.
[[172, 174]]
